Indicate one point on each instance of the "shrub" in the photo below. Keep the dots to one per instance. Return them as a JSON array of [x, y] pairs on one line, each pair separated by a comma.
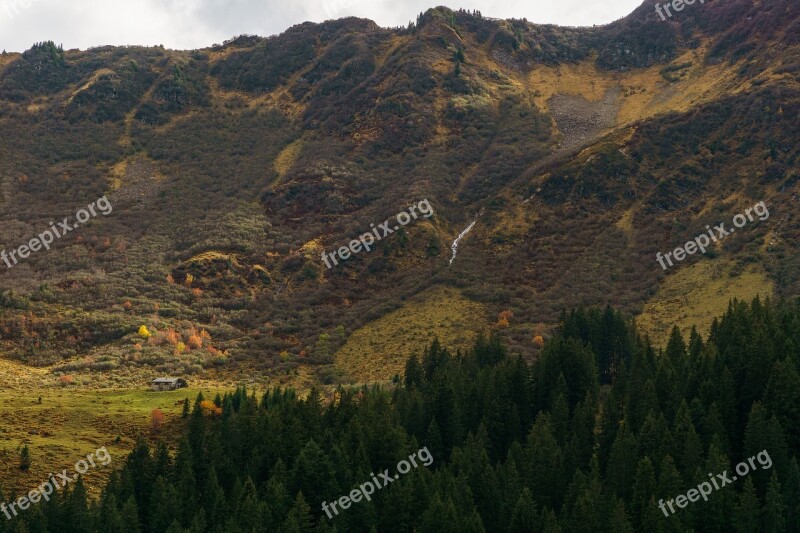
[[25, 459], [195, 342]]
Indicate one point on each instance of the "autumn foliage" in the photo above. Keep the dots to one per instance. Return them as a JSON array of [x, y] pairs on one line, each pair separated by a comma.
[[538, 342], [210, 408], [195, 342], [172, 337], [503, 319], [156, 420]]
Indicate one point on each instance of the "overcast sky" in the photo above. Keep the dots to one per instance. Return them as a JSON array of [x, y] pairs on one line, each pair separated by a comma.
[[188, 24]]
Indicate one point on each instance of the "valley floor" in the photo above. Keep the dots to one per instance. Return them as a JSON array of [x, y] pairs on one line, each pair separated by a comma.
[[73, 421]]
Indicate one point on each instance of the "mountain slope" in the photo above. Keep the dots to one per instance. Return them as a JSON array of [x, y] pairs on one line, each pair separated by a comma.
[[580, 152]]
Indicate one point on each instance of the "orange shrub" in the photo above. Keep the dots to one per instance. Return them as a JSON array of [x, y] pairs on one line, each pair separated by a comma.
[[195, 342], [156, 420], [210, 408], [503, 319], [172, 337], [538, 342]]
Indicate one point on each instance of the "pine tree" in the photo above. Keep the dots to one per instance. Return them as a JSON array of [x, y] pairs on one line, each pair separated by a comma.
[[774, 509], [689, 448], [76, 508], [655, 440], [609, 425], [748, 509], [185, 482], [764, 433], [559, 409], [110, 517], [620, 521], [439, 516], [524, 518], [544, 458], [199, 523], [163, 507], [276, 493], [717, 511], [25, 459], [782, 399], [670, 485], [130, 516], [314, 475], [676, 347], [214, 501], [37, 521], [590, 510], [549, 521], [413, 373], [300, 519], [644, 487], [622, 463], [174, 527]]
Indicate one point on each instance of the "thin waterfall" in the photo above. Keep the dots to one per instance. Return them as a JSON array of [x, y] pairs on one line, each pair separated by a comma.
[[454, 246]]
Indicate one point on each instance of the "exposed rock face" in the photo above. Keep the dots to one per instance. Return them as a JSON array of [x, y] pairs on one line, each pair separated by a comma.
[[579, 120]]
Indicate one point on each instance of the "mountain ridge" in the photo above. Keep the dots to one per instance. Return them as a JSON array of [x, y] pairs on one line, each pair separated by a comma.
[[236, 165]]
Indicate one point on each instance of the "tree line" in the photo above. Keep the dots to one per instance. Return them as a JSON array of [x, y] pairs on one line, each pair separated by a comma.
[[587, 438]]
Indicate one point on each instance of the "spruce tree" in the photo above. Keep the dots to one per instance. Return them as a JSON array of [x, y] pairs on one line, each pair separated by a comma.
[[774, 508], [300, 519], [25, 459], [748, 509], [619, 521], [130, 516]]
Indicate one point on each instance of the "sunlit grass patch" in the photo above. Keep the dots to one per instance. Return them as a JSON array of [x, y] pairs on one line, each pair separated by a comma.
[[379, 350]]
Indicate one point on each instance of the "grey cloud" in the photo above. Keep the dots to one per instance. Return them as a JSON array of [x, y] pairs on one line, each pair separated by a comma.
[[185, 24]]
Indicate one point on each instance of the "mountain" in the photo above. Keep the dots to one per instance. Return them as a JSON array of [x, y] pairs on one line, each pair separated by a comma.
[[578, 154]]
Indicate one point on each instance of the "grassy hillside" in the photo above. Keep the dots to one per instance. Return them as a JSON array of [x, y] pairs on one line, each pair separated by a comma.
[[697, 294], [72, 421], [379, 350], [578, 152]]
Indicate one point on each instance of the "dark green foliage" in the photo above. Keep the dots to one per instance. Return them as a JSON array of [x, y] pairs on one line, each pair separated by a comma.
[[378, 121], [267, 64], [25, 458], [42, 69], [509, 443]]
